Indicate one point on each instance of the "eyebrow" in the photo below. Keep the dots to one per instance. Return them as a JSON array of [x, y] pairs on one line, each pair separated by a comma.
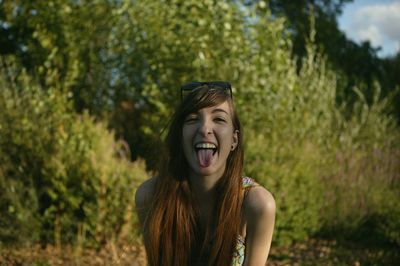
[[219, 110]]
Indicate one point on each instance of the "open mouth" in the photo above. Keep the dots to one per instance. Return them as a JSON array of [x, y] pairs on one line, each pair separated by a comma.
[[205, 153], [206, 146]]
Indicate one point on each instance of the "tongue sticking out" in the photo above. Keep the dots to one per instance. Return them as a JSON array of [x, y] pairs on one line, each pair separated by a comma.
[[205, 156]]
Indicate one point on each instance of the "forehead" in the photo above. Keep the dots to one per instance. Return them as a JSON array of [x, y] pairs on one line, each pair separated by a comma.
[[223, 108]]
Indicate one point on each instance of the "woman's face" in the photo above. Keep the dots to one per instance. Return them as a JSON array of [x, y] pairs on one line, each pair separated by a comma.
[[208, 138]]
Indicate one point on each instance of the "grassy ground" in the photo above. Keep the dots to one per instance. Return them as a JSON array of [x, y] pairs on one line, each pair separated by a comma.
[[312, 252]]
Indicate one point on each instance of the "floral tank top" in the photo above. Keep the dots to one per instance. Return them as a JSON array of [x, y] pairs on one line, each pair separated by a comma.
[[238, 255]]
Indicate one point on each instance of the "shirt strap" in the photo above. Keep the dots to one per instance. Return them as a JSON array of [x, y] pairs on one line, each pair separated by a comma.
[[247, 182]]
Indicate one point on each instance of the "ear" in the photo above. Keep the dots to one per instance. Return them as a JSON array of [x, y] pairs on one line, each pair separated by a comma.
[[235, 139]]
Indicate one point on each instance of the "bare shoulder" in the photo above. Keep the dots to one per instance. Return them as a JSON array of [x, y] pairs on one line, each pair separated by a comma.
[[145, 192], [143, 197], [259, 202], [259, 214]]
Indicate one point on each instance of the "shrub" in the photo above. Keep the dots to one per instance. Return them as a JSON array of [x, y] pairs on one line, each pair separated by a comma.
[[64, 178]]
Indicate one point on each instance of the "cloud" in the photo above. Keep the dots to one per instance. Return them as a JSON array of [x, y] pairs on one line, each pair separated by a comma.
[[378, 23]]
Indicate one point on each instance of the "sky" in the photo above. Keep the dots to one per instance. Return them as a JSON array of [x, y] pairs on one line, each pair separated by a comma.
[[375, 20]]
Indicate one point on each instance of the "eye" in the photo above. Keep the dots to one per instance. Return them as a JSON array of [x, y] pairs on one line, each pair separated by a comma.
[[220, 119], [191, 118]]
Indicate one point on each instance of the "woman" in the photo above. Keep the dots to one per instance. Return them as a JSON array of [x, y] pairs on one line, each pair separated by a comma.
[[200, 210]]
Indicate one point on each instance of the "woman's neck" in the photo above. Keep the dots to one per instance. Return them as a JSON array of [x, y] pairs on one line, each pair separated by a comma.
[[204, 187], [204, 190]]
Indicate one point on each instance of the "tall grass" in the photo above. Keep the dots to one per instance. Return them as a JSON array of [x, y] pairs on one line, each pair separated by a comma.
[[332, 168]]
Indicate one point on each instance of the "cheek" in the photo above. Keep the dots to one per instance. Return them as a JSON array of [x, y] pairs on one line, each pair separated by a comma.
[[226, 138], [186, 134], [186, 140]]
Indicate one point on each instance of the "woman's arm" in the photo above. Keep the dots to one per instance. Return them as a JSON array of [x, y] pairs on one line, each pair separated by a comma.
[[260, 216]]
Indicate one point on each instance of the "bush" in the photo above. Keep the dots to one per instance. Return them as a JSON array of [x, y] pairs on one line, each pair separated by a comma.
[[64, 178]]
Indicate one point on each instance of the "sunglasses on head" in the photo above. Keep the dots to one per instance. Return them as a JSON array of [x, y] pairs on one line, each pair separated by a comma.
[[221, 85]]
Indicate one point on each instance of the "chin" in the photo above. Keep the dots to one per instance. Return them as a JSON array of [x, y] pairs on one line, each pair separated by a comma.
[[204, 171], [207, 171]]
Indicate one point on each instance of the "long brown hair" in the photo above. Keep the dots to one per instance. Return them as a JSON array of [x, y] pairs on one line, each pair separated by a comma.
[[172, 232]]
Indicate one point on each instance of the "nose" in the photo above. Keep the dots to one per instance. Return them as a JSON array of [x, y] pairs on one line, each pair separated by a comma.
[[205, 127]]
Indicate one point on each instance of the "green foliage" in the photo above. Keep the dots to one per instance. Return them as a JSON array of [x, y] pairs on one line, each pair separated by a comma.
[[358, 63], [328, 165], [63, 175], [364, 184]]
